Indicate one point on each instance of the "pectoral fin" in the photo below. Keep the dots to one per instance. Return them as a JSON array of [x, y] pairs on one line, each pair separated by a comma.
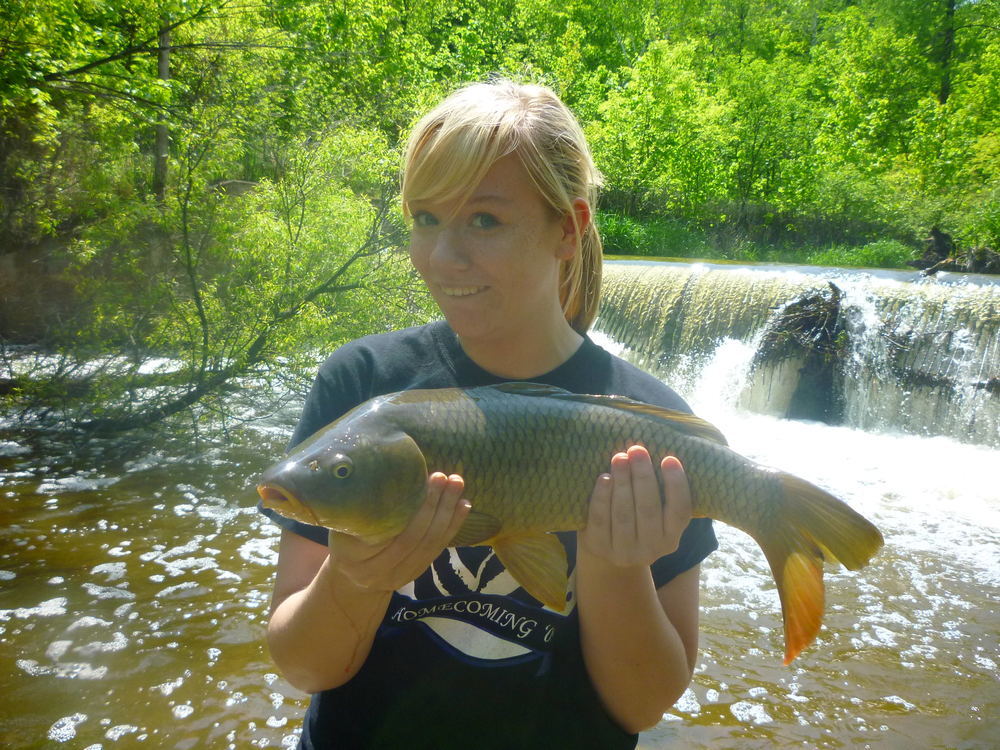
[[477, 529], [538, 563]]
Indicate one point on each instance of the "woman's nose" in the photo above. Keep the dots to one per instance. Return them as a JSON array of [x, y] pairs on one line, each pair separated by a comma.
[[449, 251]]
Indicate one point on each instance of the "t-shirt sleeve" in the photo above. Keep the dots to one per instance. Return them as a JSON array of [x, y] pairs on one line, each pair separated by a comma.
[[697, 542]]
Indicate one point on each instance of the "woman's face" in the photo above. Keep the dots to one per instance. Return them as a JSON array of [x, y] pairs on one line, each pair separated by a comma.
[[492, 263]]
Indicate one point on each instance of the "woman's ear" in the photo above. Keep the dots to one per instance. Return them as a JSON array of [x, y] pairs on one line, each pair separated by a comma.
[[574, 225]]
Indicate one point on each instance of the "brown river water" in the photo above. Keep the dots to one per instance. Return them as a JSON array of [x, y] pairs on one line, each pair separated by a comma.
[[134, 587]]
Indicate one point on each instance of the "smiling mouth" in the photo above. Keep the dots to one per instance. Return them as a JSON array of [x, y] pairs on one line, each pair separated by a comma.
[[461, 291]]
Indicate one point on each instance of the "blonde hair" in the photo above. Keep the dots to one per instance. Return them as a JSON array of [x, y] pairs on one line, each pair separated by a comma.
[[454, 145]]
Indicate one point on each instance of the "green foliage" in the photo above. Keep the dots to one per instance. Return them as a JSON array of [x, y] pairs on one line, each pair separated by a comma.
[[661, 135], [199, 175], [879, 254], [224, 286], [624, 235]]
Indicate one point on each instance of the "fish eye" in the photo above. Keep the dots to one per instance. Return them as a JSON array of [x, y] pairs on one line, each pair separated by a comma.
[[342, 469]]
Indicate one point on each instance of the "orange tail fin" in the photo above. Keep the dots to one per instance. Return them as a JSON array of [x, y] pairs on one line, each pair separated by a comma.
[[813, 526]]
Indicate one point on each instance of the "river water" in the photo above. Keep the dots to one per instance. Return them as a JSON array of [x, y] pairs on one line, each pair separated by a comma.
[[134, 585]]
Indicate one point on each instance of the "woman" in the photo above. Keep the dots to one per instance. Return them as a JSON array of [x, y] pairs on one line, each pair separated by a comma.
[[414, 644]]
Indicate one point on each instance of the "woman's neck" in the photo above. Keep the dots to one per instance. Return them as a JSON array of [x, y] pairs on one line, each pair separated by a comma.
[[532, 354]]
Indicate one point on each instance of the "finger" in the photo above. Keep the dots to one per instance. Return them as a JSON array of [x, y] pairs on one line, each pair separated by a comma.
[[449, 511], [677, 491], [623, 531], [598, 528], [420, 523], [449, 514], [646, 493]]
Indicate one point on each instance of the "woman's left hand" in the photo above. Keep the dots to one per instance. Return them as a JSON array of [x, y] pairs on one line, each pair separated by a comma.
[[627, 524]]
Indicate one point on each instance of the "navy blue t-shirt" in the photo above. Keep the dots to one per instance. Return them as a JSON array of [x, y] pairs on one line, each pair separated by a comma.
[[464, 657]]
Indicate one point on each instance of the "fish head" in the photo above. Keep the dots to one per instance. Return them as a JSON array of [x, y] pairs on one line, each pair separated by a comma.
[[363, 477]]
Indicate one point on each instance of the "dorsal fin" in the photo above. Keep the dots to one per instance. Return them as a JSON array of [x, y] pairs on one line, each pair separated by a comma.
[[689, 424], [527, 388]]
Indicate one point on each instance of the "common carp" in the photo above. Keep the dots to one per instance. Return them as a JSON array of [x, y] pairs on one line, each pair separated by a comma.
[[529, 455]]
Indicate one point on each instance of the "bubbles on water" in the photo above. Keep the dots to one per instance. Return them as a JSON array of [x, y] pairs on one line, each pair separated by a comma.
[[110, 571], [10, 449], [57, 649], [904, 704], [107, 592], [149, 461], [187, 588], [75, 671], [688, 703], [259, 550], [65, 728], [985, 662], [118, 642], [88, 621], [80, 482], [750, 713], [115, 733], [48, 608], [183, 711], [169, 687], [7, 575]]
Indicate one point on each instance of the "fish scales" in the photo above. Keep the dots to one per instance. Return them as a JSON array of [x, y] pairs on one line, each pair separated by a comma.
[[529, 455], [504, 441]]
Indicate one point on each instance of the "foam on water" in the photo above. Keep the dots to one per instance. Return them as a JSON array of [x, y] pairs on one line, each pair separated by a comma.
[[78, 483], [9, 449], [65, 728], [48, 608]]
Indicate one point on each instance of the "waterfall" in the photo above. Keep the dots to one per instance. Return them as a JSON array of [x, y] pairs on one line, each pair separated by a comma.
[[878, 350]]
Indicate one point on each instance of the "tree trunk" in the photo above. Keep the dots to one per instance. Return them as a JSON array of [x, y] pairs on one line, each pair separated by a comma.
[[947, 51], [161, 148]]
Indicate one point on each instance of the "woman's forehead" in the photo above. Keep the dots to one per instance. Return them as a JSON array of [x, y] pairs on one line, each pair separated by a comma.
[[505, 183]]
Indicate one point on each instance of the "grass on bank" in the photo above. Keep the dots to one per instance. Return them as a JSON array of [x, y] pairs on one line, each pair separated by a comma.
[[627, 236]]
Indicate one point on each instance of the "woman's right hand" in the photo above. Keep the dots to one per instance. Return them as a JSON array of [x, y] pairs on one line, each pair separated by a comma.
[[387, 566]]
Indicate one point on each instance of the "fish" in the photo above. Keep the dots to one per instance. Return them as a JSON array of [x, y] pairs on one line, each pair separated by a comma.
[[530, 454]]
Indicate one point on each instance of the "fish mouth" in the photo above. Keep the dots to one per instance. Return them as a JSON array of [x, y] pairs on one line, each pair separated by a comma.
[[277, 498]]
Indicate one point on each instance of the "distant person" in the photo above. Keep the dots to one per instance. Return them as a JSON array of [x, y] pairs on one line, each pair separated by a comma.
[[412, 644]]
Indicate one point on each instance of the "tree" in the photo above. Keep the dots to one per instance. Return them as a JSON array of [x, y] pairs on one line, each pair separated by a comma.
[[659, 136], [242, 284], [227, 258]]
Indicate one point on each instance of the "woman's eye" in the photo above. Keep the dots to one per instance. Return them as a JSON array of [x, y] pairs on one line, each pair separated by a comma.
[[484, 221], [423, 219]]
